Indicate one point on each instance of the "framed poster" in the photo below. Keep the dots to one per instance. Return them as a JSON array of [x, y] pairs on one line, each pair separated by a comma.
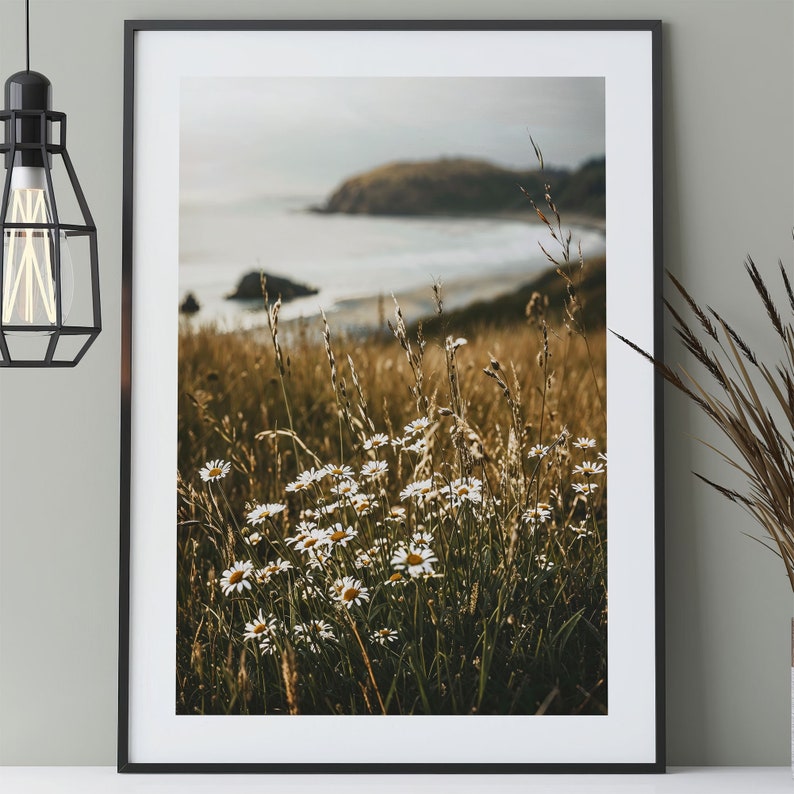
[[369, 395]]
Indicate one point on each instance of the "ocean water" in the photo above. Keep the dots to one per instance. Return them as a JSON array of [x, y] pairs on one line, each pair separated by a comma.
[[350, 257]]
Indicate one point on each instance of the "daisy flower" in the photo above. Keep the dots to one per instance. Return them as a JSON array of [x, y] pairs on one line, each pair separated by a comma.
[[315, 628], [214, 470], [587, 468], [311, 475], [396, 513], [349, 591], [465, 490], [538, 451], [374, 468], [313, 633], [454, 344], [338, 471], [421, 489], [323, 510], [261, 627], [376, 441], [383, 636], [421, 538], [318, 558], [363, 503], [262, 512], [341, 535], [365, 558], [312, 540], [422, 423], [236, 577], [264, 575], [415, 560], [537, 514], [266, 647], [585, 488], [420, 445], [253, 539], [581, 531], [308, 589], [304, 528], [395, 579], [345, 488], [583, 443]]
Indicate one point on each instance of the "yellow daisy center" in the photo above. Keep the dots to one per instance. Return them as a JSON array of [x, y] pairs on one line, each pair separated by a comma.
[[384, 632], [235, 577], [215, 471], [338, 535], [271, 569], [395, 577], [414, 559], [309, 543], [350, 593], [259, 628]]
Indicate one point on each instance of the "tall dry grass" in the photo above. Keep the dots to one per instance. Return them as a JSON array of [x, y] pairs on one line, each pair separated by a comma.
[[517, 621]]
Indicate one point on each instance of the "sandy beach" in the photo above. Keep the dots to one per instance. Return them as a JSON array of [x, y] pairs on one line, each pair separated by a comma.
[[416, 304], [365, 314]]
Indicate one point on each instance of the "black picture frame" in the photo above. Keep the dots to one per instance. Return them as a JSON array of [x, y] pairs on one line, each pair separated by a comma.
[[132, 761]]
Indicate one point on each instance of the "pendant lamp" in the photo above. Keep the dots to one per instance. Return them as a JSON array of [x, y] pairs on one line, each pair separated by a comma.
[[49, 272]]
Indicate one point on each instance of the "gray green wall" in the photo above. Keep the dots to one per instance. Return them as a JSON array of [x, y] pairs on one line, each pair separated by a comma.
[[728, 168]]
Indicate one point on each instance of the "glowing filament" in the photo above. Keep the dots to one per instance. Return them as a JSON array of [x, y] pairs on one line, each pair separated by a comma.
[[25, 271]]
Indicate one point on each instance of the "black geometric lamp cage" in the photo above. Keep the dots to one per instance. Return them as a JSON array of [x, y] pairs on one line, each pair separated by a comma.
[[49, 272]]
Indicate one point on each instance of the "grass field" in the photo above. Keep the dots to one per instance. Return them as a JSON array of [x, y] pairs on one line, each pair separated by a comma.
[[401, 525]]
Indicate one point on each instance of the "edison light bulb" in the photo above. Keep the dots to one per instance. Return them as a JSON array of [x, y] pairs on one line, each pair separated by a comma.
[[29, 293]]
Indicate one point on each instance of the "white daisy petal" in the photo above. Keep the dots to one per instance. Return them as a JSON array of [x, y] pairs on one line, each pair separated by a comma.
[[214, 470]]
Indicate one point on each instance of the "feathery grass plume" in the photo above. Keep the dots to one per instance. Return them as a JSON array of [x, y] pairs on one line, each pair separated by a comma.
[[787, 284], [737, 340], [571, 273], [760, 446], [414, 357]]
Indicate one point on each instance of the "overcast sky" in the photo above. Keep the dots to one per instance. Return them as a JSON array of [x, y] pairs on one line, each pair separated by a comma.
[[256, 137]]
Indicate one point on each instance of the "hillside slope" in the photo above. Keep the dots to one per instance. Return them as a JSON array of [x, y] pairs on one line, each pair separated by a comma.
[[465, 186]]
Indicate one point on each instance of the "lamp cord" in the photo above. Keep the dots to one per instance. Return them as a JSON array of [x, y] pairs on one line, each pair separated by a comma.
[[27, 35]]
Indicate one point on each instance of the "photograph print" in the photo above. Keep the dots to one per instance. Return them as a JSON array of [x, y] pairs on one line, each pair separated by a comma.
[[392, 449]]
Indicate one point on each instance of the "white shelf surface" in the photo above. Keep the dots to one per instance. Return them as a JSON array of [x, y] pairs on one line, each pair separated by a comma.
[[678, 780]]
